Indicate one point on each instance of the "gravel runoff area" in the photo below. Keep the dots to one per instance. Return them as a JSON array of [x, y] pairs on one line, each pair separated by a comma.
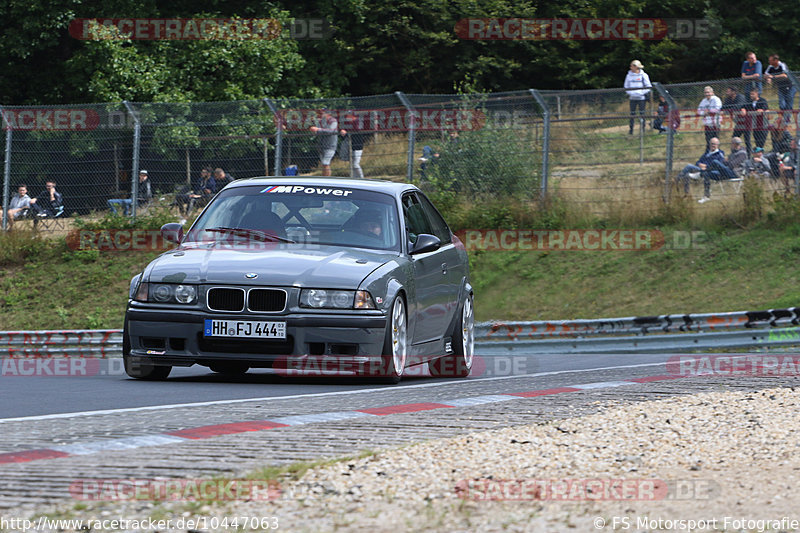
[[720, 461]]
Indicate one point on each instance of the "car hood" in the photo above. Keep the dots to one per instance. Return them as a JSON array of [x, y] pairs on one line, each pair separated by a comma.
[[283, 265]]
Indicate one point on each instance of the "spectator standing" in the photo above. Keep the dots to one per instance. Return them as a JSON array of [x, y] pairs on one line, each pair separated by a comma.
[[19, 203], [776, 72], [752, 71], [709, 109], [756, 111], [703, 165], [144, 195], [49, 203], [356, 140], [735, 105], [327, 132], [638, 84]]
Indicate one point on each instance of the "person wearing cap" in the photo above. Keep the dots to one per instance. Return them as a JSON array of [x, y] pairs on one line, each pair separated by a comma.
[[758, 164], [637, 82], [144, 195], [327, 131]]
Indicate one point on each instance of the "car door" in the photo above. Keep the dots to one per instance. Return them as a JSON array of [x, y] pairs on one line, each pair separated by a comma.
[[453, 267], [430, 276]]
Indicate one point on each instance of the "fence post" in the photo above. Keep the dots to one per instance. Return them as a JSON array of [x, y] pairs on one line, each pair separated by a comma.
[[673, 108], [412, 124], [545, 139], [795, 88], [6, 171], [137, 135], [278, 138]]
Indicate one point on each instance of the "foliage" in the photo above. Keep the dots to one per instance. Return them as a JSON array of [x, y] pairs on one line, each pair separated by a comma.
[[375, 48]]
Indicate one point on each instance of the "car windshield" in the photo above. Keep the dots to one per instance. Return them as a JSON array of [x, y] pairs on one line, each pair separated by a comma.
[[301, 215]]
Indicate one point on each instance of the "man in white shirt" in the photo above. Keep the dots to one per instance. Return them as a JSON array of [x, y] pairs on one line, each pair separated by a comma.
[[709, 109]]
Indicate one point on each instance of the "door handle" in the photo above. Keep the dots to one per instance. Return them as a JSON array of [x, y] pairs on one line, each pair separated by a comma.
[[444, 268]]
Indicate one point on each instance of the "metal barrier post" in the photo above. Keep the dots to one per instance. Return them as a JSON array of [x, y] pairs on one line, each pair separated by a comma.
[[673, 108], [137, 135], [277, 171], [6, 171], [411, 134], [545, 139]]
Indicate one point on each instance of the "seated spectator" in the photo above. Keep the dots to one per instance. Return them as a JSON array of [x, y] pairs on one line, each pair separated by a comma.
[[19, 205], [48, 204], [712, 153], [758, 164], [781, 138], [204, 189], [787, 166], [730, 168], [221, 178], [145, 194], [661, 114]]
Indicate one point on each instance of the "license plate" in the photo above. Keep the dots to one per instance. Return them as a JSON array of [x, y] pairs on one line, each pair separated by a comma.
[[244, 328]]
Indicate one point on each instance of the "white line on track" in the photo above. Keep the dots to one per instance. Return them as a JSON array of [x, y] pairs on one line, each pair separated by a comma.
[[313, 395]]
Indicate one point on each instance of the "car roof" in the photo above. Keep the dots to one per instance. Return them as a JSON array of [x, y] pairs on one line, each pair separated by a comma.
[[384, 186]]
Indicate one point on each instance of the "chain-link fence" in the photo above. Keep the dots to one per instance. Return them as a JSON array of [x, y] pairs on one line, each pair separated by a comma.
[[599, 149]]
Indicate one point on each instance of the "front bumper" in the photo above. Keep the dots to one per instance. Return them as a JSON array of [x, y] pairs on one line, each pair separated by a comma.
[[175, 337]]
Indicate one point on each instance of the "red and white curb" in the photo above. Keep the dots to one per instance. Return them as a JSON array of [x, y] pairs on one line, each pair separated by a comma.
[[216, 430]]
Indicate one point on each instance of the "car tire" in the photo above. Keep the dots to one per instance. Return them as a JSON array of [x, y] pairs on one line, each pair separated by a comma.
[[395, 345], [230, 369], [459, 363], [139, 370]]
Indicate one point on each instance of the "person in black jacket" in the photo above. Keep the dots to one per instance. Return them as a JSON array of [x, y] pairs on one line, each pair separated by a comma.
[[758, 120], [48, 204]]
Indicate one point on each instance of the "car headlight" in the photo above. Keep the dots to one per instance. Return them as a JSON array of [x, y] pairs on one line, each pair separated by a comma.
[[166, 293], [335, 299]]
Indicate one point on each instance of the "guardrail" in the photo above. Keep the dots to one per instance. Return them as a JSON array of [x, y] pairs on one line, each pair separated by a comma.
[[62, 343], [662, 333]]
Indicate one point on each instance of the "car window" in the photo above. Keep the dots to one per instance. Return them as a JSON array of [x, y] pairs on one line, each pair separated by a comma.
[[415, 219], [306, 215], [439, 226]]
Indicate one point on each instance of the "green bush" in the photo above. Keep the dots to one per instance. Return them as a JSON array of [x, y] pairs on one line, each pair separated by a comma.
[[18, 247], [497, 162]]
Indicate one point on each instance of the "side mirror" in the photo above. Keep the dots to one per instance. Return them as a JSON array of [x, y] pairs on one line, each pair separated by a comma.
[[172, 232], [425, 243]]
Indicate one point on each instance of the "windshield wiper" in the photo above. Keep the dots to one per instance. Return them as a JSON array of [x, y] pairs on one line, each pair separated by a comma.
[[250, 233]]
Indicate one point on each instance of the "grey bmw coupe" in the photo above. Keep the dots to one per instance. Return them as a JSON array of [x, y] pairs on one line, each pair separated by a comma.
[[319, 276]]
